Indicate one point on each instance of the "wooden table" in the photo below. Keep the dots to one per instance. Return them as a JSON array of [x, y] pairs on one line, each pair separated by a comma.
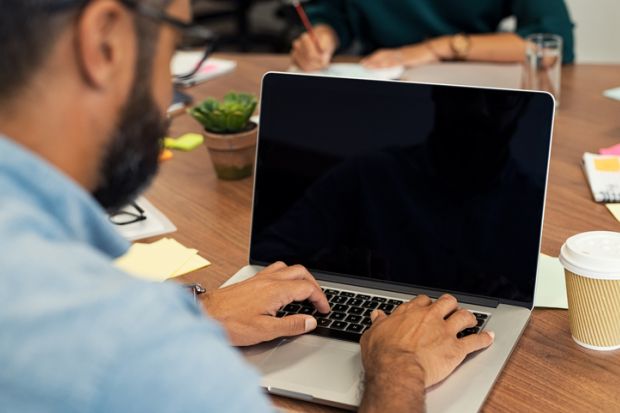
[[548, 371]]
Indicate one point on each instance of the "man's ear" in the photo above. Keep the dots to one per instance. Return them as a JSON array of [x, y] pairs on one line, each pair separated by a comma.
[[105, 43]]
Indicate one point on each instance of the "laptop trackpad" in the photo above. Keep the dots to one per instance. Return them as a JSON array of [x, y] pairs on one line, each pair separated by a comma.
[[314, 362]]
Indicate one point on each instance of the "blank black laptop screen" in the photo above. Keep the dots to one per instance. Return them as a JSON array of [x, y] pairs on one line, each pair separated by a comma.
[[420, 185]]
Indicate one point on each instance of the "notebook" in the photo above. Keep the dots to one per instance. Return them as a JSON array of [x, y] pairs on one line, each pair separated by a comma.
[[603, 173], [156, 223], [184, 62]]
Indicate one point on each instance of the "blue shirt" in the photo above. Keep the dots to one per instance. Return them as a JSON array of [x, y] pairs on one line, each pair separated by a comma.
[[79, 335]]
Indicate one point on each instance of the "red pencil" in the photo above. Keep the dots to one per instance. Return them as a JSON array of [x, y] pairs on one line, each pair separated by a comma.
[[304, 19]]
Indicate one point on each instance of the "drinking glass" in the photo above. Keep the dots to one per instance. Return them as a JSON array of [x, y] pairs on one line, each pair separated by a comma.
[[543, 63]]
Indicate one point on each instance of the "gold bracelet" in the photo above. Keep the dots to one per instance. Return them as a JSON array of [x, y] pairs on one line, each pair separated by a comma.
[[460, 44]]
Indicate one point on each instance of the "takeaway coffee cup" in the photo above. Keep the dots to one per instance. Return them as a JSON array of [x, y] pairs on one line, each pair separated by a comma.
[[591, 263]]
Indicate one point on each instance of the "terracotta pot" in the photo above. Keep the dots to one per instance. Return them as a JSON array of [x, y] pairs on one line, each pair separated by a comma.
[[232, 154]]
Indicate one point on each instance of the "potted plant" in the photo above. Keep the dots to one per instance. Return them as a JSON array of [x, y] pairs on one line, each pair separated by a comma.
[[230, 136]]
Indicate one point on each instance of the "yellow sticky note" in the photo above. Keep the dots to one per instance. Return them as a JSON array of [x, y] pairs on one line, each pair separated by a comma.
[[611, 164], [187, 142], [614, 209], [174, 246], [157, 261], [194, 263]]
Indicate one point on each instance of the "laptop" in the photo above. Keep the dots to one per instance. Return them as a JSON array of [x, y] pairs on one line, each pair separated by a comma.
[[385, 190]]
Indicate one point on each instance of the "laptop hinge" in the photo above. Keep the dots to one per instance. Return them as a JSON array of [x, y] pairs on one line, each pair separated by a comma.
[[291, 394], [404, 289]]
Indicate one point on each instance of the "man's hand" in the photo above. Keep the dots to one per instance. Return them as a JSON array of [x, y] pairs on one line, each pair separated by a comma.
[[247, 310], [305, 53], [413, 349]]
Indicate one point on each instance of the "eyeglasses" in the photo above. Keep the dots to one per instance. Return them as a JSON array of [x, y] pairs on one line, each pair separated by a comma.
[[131, 214], [192, 35]]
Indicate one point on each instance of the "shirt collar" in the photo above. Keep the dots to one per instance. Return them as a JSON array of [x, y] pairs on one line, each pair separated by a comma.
[[59, 197]]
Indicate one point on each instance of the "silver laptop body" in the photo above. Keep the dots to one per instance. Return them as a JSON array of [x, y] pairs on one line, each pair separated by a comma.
[[329, 371]]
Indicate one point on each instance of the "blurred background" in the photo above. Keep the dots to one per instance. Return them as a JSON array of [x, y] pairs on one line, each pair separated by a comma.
[[270, 25]]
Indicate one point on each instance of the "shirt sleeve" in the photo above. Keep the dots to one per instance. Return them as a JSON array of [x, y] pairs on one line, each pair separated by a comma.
[[546, 16], [334, 14], [180, 362]]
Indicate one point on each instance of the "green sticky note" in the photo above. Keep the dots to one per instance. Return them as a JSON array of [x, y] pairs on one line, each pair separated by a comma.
[[187, 142], [613, 93], [550, 284]]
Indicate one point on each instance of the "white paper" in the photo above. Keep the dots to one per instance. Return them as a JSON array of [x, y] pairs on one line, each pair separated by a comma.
[[550, 283], [355, 70], [468, 74]]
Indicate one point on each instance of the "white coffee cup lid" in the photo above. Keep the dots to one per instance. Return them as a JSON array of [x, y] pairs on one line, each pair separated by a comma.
[[593, 254]]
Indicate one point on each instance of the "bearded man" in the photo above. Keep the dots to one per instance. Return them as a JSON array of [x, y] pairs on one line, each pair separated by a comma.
[[84, 86]]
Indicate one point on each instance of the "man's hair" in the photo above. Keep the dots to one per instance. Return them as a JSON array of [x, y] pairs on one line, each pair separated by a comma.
[[30, 28]]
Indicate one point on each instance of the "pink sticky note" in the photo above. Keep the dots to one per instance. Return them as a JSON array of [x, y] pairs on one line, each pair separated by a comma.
[[208, 68], [612, 150]]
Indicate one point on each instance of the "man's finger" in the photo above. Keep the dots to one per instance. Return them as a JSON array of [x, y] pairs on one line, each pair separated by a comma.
[[377, 315], [295, 272], [475, 342], [460, 320], [445, 305], [300, 290], [419, 301], [291, 325], [276, 266]]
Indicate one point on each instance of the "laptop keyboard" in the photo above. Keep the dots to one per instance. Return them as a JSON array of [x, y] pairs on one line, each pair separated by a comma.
[[350, 314]]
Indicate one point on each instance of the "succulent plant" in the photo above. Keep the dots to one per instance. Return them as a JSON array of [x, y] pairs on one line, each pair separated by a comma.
[[230, 115]]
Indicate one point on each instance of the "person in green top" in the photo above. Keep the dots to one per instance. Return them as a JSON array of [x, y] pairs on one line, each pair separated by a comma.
[[415, 32]]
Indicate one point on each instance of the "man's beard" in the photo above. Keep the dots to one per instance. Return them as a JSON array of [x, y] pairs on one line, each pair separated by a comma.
[[131, 158]]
